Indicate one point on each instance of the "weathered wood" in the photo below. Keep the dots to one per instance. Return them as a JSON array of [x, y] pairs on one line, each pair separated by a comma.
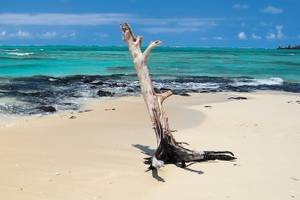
[[168, 150]]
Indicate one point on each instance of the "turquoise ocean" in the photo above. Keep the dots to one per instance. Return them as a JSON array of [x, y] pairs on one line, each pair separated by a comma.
[[45, 79]]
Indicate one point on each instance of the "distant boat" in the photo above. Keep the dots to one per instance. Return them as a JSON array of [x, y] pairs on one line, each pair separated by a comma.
[[290, 47]]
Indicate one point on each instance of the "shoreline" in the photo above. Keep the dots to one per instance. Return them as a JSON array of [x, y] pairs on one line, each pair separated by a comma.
[[91, 103], [42, 94], [99, 154]]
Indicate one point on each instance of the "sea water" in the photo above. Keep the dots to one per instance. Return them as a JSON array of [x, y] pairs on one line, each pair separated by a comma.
[[36, 79]]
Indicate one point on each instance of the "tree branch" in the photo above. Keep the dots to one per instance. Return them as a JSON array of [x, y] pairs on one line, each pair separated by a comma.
[[139, 40], [151, 46], [128, 35], [164, 96]]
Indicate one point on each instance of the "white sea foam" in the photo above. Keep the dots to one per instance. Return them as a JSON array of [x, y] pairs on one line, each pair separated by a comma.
[[257, 82], [187, 85], [52, 79], [20, 54]]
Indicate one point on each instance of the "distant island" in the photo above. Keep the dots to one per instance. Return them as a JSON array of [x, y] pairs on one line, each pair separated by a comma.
[[289, 47]]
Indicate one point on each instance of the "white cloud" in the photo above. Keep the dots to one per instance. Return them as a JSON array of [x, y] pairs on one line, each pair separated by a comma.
[[218, 38], [211, 38], [264, 24], [279, 31], [256, 37], [2, 34], [21, 34], [102, 35], [92, 19], [41, 35], [176, 25], [278, 35], [71, 35], [175, 22], [150, 25], [194, 22], [61, 19], [272, 10], [156, 30], [271, 36], [242, 36], [48, 35], [240, 6]]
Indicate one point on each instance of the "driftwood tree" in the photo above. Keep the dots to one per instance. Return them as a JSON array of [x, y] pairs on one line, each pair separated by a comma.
[[168, 150]]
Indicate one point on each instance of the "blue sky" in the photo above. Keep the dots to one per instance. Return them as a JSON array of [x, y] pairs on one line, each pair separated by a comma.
[[213, 23]]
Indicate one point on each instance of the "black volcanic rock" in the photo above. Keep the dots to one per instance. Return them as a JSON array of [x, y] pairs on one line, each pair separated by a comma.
[[96, 83], [156, 90], [129, 90], [164, 89], [49, 109], [184, 94], [238, 98], [102, 93]]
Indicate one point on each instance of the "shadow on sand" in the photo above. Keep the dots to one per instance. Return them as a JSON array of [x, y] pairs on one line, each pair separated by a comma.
[[149, 152]]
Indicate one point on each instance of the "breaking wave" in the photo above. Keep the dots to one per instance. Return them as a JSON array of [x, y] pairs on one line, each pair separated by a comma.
[[20, 54], [258, 82]]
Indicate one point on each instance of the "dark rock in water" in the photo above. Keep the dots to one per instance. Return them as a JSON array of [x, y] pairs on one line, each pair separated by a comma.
[[156, 90], [164, 89], [213, 90], [36, 94], [204, 91], [102, 93], [96, 83], [113, 84], [67, 104], [49, 109], [122, 85], [176, 92], [184, 94], [180, 92], [88, 80], [129, 90], [238, 98], [116, 84]]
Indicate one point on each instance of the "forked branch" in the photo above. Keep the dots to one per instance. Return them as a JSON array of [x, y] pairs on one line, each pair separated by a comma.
[[148, 50]]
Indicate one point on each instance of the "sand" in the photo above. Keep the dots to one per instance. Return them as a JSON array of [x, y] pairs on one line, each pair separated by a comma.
[[99, 154]]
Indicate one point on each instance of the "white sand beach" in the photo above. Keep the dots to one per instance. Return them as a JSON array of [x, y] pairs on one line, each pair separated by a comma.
[[99, 154]]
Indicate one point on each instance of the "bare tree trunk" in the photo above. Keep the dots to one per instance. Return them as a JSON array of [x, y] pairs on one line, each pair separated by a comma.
[[168, 150]]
